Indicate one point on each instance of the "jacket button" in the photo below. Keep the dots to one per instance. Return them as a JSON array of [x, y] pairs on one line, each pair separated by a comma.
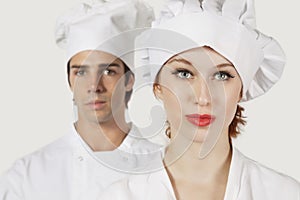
[[80, 158]]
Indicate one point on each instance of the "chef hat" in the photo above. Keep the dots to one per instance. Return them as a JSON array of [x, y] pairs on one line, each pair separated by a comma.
[[228, 27], [99, 25]]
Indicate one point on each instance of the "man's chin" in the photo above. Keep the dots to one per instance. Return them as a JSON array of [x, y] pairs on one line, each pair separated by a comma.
[[101, 119]]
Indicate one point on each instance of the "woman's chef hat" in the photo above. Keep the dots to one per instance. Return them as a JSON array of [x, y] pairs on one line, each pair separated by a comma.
[[99, 25], [227, 26]]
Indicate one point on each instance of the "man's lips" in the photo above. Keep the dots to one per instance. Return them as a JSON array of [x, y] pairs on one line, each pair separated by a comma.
[[200, 120], [96, 104]]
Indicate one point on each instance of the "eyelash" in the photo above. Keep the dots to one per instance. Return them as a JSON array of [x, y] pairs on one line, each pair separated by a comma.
[[77, 73], [177, 72], [109, 72], [220, 73], [227, 75]]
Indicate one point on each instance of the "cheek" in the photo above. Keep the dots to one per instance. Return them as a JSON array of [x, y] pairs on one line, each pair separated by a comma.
[[71, 81], [175, 102], [117, 89], [230, 110], [232, 100]]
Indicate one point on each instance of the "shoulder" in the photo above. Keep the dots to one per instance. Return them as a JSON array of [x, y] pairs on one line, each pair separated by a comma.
[[42, 159], [57, 149], [33, 169], [265, 180]]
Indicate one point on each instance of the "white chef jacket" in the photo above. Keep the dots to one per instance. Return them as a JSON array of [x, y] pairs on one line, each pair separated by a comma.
[[248, 180], [68, 169]]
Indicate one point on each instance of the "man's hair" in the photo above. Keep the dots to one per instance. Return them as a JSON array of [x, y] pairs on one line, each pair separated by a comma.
[[127, 73]]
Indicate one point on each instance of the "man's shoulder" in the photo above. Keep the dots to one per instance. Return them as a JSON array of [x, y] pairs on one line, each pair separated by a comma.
[[51, 153], [58, 147], [36, 169]]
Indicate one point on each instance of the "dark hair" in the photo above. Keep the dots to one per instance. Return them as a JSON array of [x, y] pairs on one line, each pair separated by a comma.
[[127, 73], [237, 122]]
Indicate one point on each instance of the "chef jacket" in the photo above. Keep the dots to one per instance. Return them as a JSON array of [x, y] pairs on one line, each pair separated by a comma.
[[69, 169], [248, 180]]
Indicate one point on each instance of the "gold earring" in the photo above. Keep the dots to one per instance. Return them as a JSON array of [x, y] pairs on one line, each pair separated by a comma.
[[168, 130], [156, 86]]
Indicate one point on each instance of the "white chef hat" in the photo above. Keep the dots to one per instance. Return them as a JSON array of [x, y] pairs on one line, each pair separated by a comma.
[[99, 25], [227, 26]]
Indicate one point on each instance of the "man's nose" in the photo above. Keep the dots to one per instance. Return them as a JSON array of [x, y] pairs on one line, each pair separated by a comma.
[[95, 84]]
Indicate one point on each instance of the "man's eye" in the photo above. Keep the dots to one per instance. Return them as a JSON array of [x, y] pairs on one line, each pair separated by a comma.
[[80, 73], [183, 74], [109, 72], [222, 76]]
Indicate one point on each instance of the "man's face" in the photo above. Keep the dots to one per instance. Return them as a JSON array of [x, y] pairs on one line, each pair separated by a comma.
[[97, 80]]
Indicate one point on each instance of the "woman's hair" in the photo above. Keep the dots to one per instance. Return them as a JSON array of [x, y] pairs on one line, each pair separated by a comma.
[[237, 123], [235, 126]]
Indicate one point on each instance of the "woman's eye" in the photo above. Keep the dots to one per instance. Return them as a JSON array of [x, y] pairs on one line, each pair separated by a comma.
[[222, 76], [184, 74]]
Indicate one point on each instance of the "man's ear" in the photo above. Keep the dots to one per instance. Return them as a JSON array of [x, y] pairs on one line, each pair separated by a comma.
[[158, 91], [130, 83]]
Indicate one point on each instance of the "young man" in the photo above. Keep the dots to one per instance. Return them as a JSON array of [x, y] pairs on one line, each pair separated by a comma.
[[101, 147]]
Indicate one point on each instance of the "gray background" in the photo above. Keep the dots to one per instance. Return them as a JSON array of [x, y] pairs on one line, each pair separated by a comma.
[[36, 104]]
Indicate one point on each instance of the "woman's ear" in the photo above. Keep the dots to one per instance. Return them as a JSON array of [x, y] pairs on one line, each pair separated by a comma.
[[157, 91]]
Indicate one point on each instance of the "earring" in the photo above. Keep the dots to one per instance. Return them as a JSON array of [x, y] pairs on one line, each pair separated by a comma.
[[168, 130], [157, 86]]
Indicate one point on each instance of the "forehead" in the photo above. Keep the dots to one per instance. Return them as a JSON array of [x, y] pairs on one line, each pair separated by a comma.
[[93, 58], [203, 56]]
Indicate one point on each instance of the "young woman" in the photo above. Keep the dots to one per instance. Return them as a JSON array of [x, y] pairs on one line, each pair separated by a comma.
[[206, 57]]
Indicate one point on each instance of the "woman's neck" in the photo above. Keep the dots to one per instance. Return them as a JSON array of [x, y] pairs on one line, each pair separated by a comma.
[[191, 167]]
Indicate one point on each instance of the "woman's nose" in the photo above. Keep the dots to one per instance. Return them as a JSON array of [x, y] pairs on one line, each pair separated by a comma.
[[202, 93]]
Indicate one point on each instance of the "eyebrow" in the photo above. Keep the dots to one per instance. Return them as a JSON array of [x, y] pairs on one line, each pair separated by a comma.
[[179, 60], [224, 65], [103, 65], [189, 63]]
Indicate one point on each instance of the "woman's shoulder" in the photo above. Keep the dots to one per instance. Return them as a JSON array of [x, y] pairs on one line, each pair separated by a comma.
[[262, 178]]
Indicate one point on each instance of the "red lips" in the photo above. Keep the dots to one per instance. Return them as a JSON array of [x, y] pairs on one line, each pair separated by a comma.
[[200, 120]]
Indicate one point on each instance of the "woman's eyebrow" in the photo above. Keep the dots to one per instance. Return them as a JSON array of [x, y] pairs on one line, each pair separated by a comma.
[[224, 65], [180, 60]]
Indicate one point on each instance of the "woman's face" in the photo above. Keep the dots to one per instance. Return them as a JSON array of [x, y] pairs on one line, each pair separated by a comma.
[[200, 90]]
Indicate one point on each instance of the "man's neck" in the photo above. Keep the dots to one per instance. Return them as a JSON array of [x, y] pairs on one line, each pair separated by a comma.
[[105, 136]]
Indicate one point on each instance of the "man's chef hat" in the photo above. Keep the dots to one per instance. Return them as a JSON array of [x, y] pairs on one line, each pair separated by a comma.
[[102, 25], [228, 27]]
